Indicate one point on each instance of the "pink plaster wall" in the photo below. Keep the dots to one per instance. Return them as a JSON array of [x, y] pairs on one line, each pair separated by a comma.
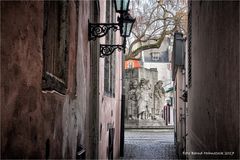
[[109, 104], [30, 116]]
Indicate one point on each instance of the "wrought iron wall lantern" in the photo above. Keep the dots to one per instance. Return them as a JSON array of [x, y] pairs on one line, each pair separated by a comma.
[[125, 23]]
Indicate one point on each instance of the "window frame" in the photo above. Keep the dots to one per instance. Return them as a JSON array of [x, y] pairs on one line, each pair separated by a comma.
[[55, 59]]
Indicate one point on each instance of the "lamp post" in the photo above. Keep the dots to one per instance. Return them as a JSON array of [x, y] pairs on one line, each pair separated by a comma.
[[125, 24], [97, 30]]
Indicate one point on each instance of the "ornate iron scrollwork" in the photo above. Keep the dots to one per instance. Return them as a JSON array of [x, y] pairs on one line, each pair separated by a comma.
[[107, 50], [97, 30]]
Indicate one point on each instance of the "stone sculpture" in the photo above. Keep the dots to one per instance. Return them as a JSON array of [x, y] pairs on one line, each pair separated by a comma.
[[144, 98], [132, 100], [159, 95]]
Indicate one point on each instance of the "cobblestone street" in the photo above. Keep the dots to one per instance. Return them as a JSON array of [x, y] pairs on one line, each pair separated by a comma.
[[149, 144]]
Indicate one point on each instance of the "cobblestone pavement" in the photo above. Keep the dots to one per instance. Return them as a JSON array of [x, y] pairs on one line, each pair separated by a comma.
[[149, 144]]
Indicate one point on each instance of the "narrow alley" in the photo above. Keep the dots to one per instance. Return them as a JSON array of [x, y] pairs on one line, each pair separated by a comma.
[[149, 144], [120, 79]]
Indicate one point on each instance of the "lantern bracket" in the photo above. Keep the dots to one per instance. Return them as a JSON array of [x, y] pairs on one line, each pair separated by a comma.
[[97, 30]]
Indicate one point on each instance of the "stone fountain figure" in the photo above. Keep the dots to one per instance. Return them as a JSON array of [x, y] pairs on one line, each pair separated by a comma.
[[132, 100], [144, 98], [159, 96]]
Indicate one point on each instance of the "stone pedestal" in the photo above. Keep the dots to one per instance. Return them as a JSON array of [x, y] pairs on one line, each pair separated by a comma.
[[142, 123]]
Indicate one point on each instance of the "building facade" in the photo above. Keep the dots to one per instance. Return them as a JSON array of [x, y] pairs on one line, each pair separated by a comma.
[[59, 99], [178, 74], [207, 82], [159, 58], [213, 79]]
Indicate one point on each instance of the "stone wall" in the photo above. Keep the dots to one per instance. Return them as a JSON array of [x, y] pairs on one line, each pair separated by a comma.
[[213, 108]]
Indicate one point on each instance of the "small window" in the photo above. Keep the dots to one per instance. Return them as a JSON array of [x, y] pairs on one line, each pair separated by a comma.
[[130, 65], [155, 56], [55, 40]]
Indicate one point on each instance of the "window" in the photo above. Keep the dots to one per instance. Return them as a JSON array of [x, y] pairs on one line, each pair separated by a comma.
[[155, 56], [55, 40], [109, 64], [130, 64]]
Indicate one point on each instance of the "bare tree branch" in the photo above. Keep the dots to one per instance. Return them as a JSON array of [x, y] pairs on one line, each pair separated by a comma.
[[155, 20]]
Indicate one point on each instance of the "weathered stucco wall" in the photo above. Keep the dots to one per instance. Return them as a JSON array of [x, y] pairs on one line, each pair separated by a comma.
[[21, 67], [213, 109], [109, 107], [46, 124], [36, 123]]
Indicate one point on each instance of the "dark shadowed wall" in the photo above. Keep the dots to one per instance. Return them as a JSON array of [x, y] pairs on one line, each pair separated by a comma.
[[213, 108]]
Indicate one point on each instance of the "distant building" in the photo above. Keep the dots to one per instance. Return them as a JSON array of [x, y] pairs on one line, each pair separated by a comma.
[[160, 58], [132, 64]]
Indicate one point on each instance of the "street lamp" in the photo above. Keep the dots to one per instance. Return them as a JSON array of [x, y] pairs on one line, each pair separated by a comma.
[[121, 5], [125, 24]]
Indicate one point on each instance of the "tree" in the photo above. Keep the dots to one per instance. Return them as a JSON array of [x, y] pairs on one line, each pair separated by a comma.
[[155, 19]]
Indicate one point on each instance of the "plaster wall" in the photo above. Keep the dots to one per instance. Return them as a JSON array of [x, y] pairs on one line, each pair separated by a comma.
[[213, 108], [109, 107], [36, 123]]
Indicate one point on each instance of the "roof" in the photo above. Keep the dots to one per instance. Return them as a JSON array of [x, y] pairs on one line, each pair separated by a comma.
[[132, 64]]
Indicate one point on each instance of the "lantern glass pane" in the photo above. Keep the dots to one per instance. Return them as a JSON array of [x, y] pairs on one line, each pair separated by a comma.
[[118, 5], [128, 29], [123, 29], [125, 5], [121, 5]]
